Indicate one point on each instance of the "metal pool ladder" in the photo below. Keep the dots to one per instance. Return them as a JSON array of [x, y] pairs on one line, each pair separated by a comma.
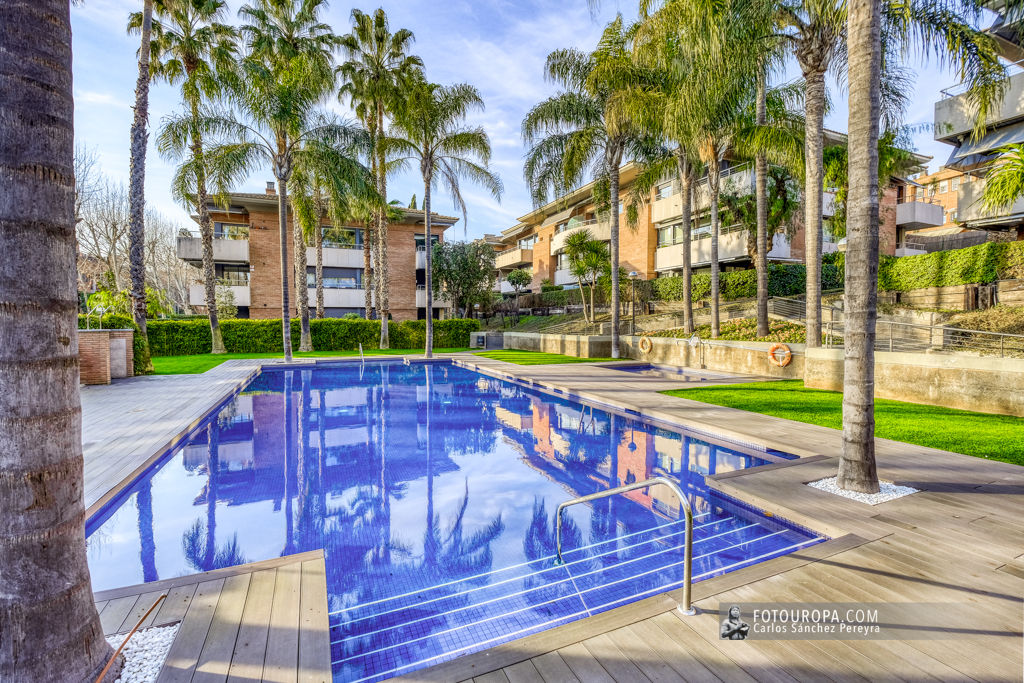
[[685, 607]]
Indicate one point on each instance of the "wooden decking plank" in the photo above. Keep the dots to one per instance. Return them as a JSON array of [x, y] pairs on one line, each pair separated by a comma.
[[114, 613], [282, 658], [142, 606], [188, 643], [617, 664], [523, 672], [314, 624], [643, 656], [251, 643], [492, 677], [553, 668], [714, 659], [175, 605], [215, 658], [583, 664], [674, 654]]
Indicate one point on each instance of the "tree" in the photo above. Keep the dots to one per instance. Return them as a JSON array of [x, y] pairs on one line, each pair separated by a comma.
[[464, 271], [580, 132], [192, 48], [376, 76], [51, 631], [137, 173], [1004, 184], [519, 279], [780, 202], [588, 260], [857, 470], [430, 131]]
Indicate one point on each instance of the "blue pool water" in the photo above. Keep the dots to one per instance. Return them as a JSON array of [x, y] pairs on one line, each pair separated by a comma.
[[432, 490]]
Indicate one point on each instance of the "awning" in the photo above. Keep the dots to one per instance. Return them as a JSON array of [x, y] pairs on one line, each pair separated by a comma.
[[558, 217], [971, 153]]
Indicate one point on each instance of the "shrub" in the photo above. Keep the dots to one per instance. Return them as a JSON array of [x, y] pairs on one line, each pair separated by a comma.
[[564, 297], [783, 280], [745, 329], [190, 337], [140, 349]]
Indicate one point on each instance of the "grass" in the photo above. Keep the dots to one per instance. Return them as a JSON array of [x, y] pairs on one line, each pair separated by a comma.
[[539, 358], [995, 437], [191, 365]]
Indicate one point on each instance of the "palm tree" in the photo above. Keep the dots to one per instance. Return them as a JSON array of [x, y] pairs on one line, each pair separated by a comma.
[[190, 47], [51, 629], [376, 75], [137, 175], [588, 259], [857, 471], [581, 131], [1004, 184], [431, 132]]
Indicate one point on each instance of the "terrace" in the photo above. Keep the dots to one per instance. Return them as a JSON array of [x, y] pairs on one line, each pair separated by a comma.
[[897, 551]]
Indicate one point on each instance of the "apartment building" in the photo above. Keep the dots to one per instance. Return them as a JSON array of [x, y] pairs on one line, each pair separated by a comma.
[[247, 256], [974, 155], [653, 248]]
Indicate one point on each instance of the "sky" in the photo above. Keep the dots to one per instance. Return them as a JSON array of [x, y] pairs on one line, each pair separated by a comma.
[[499, 46]]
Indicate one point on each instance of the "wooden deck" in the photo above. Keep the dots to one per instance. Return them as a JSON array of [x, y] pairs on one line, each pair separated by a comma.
[[960, 540], [265, 621]]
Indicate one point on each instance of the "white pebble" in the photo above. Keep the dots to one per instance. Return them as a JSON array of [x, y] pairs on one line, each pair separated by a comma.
[[887, 491], [145, 653]]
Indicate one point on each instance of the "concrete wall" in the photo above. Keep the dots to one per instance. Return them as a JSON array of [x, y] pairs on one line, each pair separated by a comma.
[[988, 385], [568, 344], [750, 358]]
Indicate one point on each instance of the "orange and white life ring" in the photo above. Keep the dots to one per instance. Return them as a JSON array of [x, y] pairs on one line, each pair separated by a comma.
[[780, 355], [645, 344]]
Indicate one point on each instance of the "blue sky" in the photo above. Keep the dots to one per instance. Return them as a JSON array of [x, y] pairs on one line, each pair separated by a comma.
[[498, 46]]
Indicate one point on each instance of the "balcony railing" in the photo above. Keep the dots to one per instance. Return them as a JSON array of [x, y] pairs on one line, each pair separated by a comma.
[[513, 258]]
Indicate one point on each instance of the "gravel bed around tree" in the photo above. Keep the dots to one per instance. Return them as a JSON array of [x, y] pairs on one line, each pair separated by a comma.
[[145, 653], [887, 491]]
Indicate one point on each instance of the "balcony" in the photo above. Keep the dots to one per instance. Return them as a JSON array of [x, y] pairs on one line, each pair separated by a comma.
[[738, 180], [190, 248], [954, 115], [563, 277], [421, 259], [440, 301], [732, 246], [599, 229], [337, 258], [197, 294], [917, 215], [969, 210], [513, 258]]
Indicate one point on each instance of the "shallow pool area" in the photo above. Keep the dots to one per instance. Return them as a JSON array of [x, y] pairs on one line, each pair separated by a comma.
[[432, 490]]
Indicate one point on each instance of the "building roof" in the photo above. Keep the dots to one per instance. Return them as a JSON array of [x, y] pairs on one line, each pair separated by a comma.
[[246, 198]]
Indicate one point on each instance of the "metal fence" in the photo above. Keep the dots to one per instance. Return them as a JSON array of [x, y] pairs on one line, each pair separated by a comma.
[[946, 242], [910, 338]]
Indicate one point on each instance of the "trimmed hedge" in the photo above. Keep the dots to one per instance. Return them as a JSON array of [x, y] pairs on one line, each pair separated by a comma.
[[190, 337], [783, 280], [111, 321]]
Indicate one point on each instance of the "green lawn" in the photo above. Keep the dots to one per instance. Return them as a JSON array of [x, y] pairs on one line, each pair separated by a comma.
[[539, 358], [997, 437], [190, 365]]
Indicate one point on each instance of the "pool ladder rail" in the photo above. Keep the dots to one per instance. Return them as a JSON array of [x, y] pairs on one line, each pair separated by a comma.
[[686, 606]]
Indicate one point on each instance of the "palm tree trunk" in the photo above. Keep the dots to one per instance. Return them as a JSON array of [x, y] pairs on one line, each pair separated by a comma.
[[761, 207], [301, 285], [857, 471], [51, 631], [613, 196], [282, 225], [429, 345], [137, 177], [369, 279], [814, 97], [686, 207], [206, 233], [583, 301], [319, 272], [714, 182], [384, 278]]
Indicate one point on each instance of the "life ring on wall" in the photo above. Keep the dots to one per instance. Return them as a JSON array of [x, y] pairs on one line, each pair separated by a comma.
[[780, 355], [645, 344]]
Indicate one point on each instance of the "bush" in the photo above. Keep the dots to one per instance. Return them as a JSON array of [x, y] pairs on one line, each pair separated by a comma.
[[981, 264], [140, 349], [783, 280], [564, 297], [745, 329], [190, 337]]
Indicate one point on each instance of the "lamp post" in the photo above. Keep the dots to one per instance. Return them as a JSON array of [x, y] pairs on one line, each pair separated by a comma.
[[632, 297]]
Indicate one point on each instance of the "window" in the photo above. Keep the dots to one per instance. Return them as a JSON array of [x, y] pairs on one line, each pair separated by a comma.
[[943, 186], [336, 278], [563, 261], [230, 231], [662, 191], [528, 242], [419, 241], [955, 184], [232, 276], [342, 238], [665, 237], [953, 215]]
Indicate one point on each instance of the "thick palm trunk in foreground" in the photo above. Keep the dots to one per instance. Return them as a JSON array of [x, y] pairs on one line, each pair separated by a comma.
[[384, 277], [857, 470], [137, 176], [761, 207], [49, 629]]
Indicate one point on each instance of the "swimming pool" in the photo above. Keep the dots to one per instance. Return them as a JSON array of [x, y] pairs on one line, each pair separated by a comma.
[[432, 490]]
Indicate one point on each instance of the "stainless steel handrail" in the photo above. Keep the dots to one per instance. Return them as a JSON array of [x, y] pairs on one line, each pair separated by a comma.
[[685, 607]]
